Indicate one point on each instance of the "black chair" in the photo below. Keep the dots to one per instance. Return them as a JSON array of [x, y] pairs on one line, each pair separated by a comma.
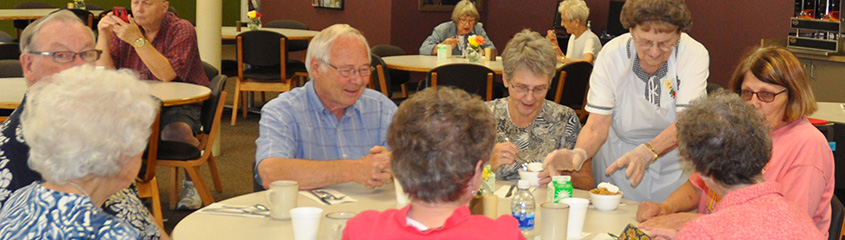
[[397, 77], [182, 155], [713, 87], [20, 25], [380, 79], [10, 68], [270, 70], [836, 219], [570, 86], [209, 70], [473, 78], [293, 45], [10, 50], [86, 16]]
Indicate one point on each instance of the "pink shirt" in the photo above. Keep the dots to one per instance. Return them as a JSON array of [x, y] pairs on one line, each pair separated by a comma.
[[758, 211], [802, 163], [392, 224]]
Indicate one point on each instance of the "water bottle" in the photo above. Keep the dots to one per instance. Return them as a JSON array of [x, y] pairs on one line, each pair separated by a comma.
[[522, 208]]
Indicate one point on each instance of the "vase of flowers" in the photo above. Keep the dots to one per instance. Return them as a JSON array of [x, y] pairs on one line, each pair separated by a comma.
[[473, 53], [254, 20]]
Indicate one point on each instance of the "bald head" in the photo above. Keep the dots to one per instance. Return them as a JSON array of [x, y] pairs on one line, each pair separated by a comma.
[[60, 31]]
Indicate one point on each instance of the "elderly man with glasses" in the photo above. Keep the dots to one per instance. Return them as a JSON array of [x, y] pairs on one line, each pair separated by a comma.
[[50, 45], [333, 129], [640, 83], [159, 46]]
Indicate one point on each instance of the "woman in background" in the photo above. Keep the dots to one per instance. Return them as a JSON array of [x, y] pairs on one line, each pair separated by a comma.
[[441, 139], [464, 23], [583, 44]]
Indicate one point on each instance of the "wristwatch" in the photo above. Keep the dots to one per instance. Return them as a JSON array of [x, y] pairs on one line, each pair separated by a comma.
[[140, 42]]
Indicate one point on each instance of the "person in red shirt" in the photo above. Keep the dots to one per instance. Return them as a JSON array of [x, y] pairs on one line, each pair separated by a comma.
[[728, 145], [158, 45], [441, 139]]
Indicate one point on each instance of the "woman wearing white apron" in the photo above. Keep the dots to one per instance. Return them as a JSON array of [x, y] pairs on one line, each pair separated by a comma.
[[640, 82]]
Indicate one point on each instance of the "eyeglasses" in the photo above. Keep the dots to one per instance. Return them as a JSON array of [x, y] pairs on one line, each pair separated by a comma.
[[664, 46], [763, 96], [466, 20], [68, 56], [537, 91], [349, 71]]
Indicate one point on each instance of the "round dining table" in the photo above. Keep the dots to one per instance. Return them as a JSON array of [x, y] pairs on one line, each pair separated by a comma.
[[170, 93], [208, 225], [425, 63]]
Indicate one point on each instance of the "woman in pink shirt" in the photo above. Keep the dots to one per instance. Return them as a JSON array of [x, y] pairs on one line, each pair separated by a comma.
[[441, 139], [802, 161], [728, 145]]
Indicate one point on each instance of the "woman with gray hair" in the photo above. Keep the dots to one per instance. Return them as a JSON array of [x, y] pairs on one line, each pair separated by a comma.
[[728, 144], [86, 128], [441, 139], [528, 126], [583, 44], [640, 82], [454, 33]]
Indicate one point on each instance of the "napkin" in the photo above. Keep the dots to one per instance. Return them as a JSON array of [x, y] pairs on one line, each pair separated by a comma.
[[633, 232], [233, 210], [333, 192]]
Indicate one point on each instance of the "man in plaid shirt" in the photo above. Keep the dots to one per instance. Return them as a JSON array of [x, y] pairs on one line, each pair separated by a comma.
[[159, 46]]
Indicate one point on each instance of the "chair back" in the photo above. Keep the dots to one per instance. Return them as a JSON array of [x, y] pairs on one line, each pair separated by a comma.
[[380, 78], [148, 168], [473, 78], [713, 87], [6, 38], [10, 68], [570, 85], [396, 76], [261, 48], [86, 16], [10, 50], [836, 219], [210, 71], [293, 45], [209, 107]]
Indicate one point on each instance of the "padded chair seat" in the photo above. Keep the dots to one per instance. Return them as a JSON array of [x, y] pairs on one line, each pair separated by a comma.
[[272, 73], [172, 150]]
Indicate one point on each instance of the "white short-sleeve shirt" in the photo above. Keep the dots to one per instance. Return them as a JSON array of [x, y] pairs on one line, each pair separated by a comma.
[[588, 42]]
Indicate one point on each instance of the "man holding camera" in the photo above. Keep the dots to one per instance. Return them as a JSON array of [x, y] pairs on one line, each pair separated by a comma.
[[158, 45]]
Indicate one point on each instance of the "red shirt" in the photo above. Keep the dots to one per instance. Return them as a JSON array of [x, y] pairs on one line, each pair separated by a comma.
[[391, 224], [758, 211], [176, 40]]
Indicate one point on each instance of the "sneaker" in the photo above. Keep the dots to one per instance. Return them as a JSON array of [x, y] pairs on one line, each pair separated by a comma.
[[189, 198]]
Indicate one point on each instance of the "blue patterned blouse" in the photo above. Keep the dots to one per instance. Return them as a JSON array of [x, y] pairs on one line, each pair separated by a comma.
[[35, 212]]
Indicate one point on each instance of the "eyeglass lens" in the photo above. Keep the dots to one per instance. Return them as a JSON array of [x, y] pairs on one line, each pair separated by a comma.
[[762, 95]]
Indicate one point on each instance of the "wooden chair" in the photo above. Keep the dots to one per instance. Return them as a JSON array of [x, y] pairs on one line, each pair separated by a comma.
[[473, 78], [293, 45], [397, 77], [270, 71], [837, 219], [182, 155], [570, 86], [10, 50], [379, 80], [147, 184]]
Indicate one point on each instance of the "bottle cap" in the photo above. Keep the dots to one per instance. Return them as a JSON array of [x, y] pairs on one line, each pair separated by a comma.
[[522, 184]]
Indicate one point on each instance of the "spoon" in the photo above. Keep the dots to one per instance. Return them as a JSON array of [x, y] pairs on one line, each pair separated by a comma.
[[524, 164]]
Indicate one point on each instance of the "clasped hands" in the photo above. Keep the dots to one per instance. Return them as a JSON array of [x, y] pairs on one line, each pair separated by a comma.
[[375, 168], [126, 31]]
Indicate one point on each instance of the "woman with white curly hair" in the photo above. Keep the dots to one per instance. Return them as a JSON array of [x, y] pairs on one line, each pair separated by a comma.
[[583, 45], [87, 129]]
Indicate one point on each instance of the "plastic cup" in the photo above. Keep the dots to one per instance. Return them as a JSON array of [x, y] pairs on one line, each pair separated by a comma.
[[337, 221], [577, 215], [306, 221], [282, 198], [553, 222], [532, 178]]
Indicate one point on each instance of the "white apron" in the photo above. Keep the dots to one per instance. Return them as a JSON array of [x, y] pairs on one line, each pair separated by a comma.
[[635, 121]]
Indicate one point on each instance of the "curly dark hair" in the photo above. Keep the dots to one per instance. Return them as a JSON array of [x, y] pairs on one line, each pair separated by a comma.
[[437, 137], [724, 138], [665, 15]]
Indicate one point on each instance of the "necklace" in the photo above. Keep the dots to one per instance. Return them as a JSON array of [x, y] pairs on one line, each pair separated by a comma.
[[79, 188]]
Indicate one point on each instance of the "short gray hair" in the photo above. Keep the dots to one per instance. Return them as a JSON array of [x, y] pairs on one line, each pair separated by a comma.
[[530, 51], [322, 43], [29, 35], [465, 8], [84, 121], [574, 9], [724, 138]]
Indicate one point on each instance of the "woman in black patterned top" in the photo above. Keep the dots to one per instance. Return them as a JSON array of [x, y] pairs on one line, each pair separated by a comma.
[[528, 126]]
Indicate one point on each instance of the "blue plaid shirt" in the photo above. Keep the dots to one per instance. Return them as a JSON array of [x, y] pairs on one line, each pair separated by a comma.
[[297, 125]]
